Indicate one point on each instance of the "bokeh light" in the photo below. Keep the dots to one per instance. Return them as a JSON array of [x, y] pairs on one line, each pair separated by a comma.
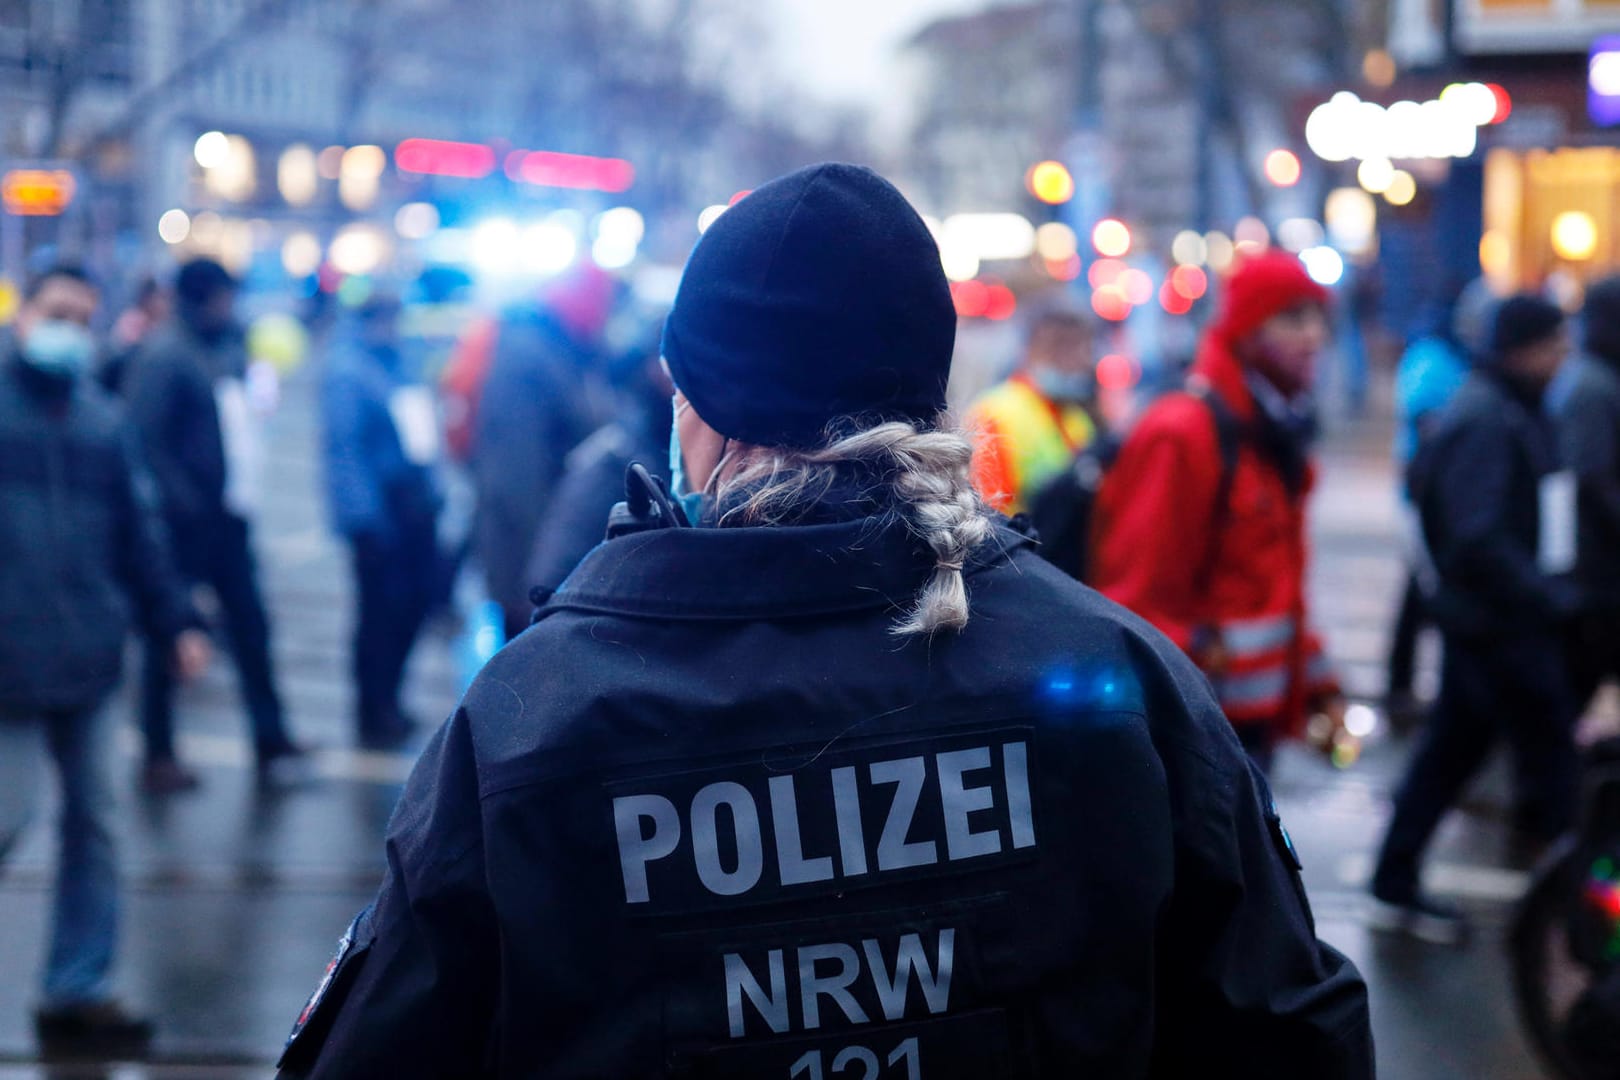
[[1105, 272], [416, 221], [1050, 182], [1375, 174], [1402, 188], [296, 176], [1189, 281], [1111, 238], [1574, 235], [301, 254], [174, 226], [1282, 168], [1056, 241], [211, 149], [1173, 301], [1189, 248], [1325, 265], [1110, 303]]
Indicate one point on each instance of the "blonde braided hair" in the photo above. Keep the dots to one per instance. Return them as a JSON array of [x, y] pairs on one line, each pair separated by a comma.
[[920, 475]]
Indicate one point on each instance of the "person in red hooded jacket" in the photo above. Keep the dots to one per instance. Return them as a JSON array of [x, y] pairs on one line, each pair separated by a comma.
[[1212, 554]]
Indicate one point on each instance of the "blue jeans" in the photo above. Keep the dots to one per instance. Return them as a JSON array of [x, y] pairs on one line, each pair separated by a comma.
[[84, 916]]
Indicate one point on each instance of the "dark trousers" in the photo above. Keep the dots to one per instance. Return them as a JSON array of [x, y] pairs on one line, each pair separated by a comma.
[[222, 560], [1515, 689], [395, 583], [1403, 639], [1594, 652]]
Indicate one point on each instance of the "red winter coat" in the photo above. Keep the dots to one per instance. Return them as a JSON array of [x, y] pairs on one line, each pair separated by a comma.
[[1153, 522]]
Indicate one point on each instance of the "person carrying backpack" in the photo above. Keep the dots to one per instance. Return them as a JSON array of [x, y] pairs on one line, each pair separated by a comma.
[[1215, 556]]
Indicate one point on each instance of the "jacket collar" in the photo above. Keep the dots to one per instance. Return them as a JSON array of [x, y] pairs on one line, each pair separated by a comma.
[[714, 573], [1526, 393], [52, 391]]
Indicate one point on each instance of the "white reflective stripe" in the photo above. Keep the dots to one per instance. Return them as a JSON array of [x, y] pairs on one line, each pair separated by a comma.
[[1254, 688], [1245, 637]]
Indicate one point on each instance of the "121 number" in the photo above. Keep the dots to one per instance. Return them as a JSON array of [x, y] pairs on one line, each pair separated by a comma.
[[809, 1066]]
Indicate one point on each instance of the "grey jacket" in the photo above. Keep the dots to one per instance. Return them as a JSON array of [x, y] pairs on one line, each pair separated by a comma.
[[82, 548]]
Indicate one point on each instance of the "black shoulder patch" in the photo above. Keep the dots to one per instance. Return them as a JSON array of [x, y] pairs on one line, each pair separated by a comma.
[[303, 1042]]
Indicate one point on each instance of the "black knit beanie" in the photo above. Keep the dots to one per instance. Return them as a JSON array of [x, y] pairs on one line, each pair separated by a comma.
[[1600, 318], [1521, 320], [820, 295]]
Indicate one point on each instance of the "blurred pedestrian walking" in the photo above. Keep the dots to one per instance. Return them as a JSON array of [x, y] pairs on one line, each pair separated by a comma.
[[541, 397], [84, 555], [1431, 371], [150, 309], [1200, 523], [1499, 521], [1028, 428], [381, 445], [593, 473], [187, 398], [1587, 405]]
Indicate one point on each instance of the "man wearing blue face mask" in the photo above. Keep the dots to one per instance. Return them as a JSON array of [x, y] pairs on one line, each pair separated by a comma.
[[84, 551], [1028, 428]]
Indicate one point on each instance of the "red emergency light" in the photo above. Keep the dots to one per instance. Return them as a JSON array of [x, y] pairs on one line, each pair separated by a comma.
[[549, 168], [972, 298], [999, 302], [438, 157]]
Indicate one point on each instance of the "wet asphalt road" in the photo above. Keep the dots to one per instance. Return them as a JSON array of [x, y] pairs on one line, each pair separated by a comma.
[[236, 895]]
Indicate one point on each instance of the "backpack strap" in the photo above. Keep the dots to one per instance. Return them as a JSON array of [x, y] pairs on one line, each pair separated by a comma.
[[1229, 438]]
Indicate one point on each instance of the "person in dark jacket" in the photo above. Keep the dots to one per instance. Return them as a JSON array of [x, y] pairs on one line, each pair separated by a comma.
[[1431, 371], [381, 441], [1588, 411], [187, 399], [541, 397], [1498, 521], [82, 556], [848, 775], [593, 473], [149, 309]]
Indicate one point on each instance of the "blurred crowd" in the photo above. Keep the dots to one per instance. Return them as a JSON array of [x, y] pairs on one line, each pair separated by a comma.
[[131, 481]]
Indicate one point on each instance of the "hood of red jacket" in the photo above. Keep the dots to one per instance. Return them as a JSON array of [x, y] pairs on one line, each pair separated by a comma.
[[1219, 366]]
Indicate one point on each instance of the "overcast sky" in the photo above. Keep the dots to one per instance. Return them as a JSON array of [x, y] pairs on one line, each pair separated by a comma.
[[838, 49]]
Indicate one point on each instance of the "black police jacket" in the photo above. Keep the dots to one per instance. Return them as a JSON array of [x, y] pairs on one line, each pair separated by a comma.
[[709, 817]]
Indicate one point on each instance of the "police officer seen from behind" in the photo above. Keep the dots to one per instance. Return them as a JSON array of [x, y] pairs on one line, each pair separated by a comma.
[[1499, 521], [846, 781]]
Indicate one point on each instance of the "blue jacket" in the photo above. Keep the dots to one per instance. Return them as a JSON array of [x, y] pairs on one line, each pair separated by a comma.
[[373, 487], [709, 818], [1429, 375]]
